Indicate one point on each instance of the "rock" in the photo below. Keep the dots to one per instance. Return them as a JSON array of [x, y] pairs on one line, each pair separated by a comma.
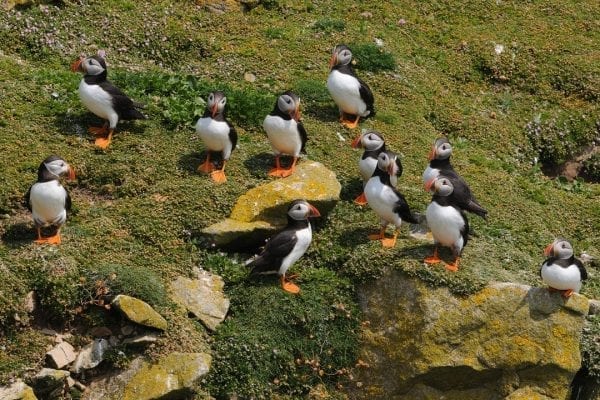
[[172, 377], [100, 331], [139, 312], [91, 355], [203, 297], [17, 391], [111, 387], [61, 355], [594, 307], [249, 77], [220, 6], [30, 302], [506, 341], [142, 339], [127, 330], [261, 211], [49, 383]]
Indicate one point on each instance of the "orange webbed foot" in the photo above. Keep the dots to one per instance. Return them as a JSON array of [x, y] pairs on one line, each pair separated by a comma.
[[377, 236], [277, 172], [218, 176], [567, 293], [351, 124], [206, 167], [102, 142], [288, 286], [388, 242], [361, 200], [98, 130], [287, 172], [454, 266], [432, 259], [49, 240]]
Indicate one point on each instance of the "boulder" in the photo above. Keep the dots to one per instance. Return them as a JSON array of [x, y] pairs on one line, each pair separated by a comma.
[[202, 297], [17, 391], [139, 312], [61, 355], [91, 355], [505, 341], [142, 339], [111, 386], [262, 210], [49, 383]]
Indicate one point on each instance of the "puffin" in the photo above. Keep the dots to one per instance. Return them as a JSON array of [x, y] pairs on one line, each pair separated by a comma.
[[562, 271], [285, 132], [439, 163], [286, 247], [102, 98], [386, 200], [48, 200], [217, 134], [448, 222], [352, 96]]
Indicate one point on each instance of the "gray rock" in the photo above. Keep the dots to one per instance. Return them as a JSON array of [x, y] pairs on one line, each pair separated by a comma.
[[17, 391], [30, 302], [139, 312], [61, 355], [142, 339], [49, 383], [594, 307], [91, 355], [111, 387]]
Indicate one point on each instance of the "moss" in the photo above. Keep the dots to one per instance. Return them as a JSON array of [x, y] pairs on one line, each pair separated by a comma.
[[369, 57], [590, 351]]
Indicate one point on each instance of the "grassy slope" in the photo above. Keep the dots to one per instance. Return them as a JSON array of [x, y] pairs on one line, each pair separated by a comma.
[[140, 203]]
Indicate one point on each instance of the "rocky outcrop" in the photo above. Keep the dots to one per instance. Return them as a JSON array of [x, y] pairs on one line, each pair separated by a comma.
[[262, 210], [17, 391], [139, 312], [506, 341], [49, 383], [61, 355], [91, 355]]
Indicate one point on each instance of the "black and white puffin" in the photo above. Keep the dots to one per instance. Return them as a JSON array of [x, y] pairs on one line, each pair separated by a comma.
[[285, 132], [439, 164], [48, 200], [217, 134], [102, 98], [562, 271], [448, 223], [286, 247], [389, 204], [352, 96]]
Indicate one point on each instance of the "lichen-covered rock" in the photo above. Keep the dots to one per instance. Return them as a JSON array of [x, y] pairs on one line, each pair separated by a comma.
[[111, 387], [139, 312], [49, 383], [505, 340], [172, 377], [203, 297], [262, 210], [17, 391]]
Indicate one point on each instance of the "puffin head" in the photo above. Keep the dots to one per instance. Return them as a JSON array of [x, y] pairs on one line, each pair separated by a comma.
[[386, 161], [341, 56], [440, 186], [216, 103], [53, 167], [371, 140], [289, 103], [440, 150], [560, 248], [301, 210], [94, 65]]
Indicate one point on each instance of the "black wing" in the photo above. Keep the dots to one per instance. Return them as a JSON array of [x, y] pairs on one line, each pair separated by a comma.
[[462, 195], [465, 230], [582, 271], [124, 106], [399, 166], [233, 138], [278, 246], [26, 200], [402, 209], [67, 201], [303, 136], [367, 96]]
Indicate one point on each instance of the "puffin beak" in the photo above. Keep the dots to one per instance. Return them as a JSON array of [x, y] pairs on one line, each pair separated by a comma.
[[429, 184], [71, 175], [431, 154], [391, 169], [213, 110], [356, 142], [332, 61], [296, 113], [76, 65], [549, 249], [313, 211]]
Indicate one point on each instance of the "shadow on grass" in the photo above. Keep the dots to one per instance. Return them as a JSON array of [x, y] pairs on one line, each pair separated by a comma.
[[21, 234], [78, 124], [355, 236], [259, 165], [351, 190], [191, 161]]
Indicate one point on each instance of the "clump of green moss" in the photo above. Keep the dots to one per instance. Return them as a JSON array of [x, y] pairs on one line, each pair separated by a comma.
[[590, 350], [329, 25], [370, 57]]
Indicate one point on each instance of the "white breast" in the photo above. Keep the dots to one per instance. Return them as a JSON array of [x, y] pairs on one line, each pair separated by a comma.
[[430, 173], [367, 167], [98, 102], [214, 134], [446, 224], [382, 200], [47, 201], [561, 278], [283, 135], [304, 237], [345, 90]]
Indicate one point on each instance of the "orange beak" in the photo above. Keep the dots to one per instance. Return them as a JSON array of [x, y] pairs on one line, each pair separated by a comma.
[[313, 211], [71, 176], [332, 61], [391, 169], [296, 114], [431, 154], [429, 184], [76, 65], [356, 142], [549, 249], [213, 110]]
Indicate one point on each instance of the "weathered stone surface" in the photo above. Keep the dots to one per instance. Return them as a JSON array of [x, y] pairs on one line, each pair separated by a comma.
[[171, 377], [111, 387], [91, 355], [17, 391], [139, 312], [505, 340], [262, 210], [61, 355], [142, 339], [49, 383], [220, 6], [203, 297], [594, 307]]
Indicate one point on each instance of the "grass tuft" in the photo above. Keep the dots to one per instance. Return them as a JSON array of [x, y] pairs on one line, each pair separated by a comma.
[[371, 58]]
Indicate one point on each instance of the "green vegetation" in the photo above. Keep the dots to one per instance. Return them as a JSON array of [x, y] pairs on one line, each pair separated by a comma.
[[139, 205]]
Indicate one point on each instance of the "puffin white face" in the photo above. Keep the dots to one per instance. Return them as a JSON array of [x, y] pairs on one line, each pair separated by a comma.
[[341, 56], [60, 167], [289, 103], [386, 161], [371, 140], [442, 186], [91, 66], [560, 248], [440, 150], [301, 210], [216, 102]]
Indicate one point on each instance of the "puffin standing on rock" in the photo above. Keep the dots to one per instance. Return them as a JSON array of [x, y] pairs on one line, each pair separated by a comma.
[[286, 247], [102, 98], [285, 132], [217, 134], [562, 271], [352, 96], [386, 201], [48, 200], [448, 223]]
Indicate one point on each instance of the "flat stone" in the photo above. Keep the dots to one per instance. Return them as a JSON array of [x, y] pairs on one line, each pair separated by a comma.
[[142, 339], [100, 331], [139, 312], [91, 355], [49, 383], [61, 355], [17, 391], [594, 307]]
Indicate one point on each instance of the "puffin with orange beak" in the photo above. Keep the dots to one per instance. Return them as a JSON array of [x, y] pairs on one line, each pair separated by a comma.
[[48, 200], [286, 247], [352, 96], [387, 202], [562, 271], [439, 159], [217, 134], [285, 132], [102, 98]]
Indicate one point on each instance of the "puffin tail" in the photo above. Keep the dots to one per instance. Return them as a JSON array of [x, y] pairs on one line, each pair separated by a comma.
[[133, 113]]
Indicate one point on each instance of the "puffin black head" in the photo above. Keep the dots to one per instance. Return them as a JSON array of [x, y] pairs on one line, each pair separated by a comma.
[[54, 167], [341, 56], [216, 103], [91, 66], [288, 103], [560, 248], [440, 150], [386, 161], [371, 140], [301, 210], [440, 186]]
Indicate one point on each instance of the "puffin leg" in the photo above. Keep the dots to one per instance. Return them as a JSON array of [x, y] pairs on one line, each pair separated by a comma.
[[352, 124], [99, 130], [288, 286], [104, 142], [361, 200], [390, 242], [454, 266], [433, 259], [40, 239], [566, 293], [288, 172], [206, 166], [378, 236], [219, 175], [277, 171], [54, 239]]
